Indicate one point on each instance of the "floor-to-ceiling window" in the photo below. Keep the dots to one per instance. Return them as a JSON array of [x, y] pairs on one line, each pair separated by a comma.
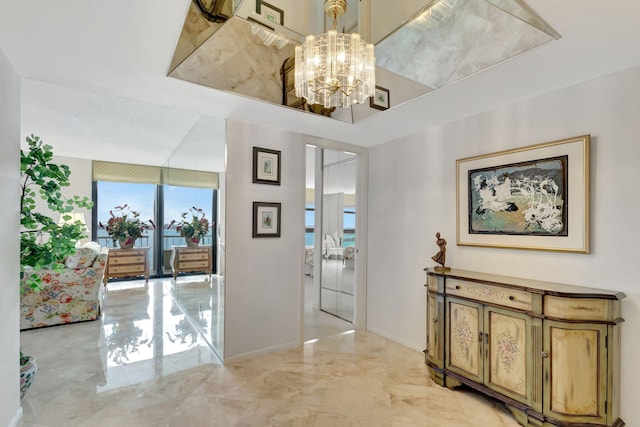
[[161, 196], [181, 200], [139, 198]]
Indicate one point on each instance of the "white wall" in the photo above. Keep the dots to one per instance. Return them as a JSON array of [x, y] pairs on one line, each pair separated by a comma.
[[263, 301], [422, 170], [10, 410]]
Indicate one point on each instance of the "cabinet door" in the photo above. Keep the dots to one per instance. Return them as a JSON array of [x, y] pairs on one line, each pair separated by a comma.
[[575, 371], [435, 329], [508, 361], [464, 346]]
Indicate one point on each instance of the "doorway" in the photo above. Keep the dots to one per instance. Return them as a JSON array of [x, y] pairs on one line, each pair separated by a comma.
[[335, 235], [338, 234]]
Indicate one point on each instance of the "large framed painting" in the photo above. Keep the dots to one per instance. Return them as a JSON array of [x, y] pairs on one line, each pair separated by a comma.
[[535, 197]]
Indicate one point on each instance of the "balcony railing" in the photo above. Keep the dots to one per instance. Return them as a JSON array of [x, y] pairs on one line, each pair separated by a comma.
[[145, 241]]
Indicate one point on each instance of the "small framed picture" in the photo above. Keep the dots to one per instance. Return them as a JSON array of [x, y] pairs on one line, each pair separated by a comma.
[[270, 12], [266, 166], [380, 99], [266, 219]]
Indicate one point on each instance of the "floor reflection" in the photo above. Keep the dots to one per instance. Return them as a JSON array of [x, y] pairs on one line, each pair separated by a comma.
[[202, 299], [148, 335], [142, 336]]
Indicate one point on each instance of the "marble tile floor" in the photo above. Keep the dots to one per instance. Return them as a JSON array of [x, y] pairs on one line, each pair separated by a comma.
[[137, 367]]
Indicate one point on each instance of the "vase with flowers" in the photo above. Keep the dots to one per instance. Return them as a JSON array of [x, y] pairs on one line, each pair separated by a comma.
[[125, 226], [193, 226]]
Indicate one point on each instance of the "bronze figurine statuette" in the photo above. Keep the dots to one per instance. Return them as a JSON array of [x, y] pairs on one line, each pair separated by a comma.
[[441, 255]]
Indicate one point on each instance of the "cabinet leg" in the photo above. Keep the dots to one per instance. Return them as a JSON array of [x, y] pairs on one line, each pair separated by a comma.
[[523, 419], [451, 383], [436, 377]]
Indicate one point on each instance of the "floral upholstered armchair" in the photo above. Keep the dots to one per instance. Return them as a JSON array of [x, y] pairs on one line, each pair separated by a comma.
[[73, 294]]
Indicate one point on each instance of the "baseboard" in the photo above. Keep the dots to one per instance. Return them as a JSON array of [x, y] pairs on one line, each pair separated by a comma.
[[265, 350], [14, 422], [395, 339]]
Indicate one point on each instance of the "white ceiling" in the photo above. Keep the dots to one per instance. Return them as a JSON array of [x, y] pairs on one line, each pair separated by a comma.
[[95, 84]]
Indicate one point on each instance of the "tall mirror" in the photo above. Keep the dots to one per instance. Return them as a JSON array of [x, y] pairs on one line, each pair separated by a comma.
[[337, 287], [192, 233]]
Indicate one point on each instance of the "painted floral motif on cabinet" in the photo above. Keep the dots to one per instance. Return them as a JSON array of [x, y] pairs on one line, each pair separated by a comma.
[[463, 336], [464, 342], [508, 350], [508, 338]]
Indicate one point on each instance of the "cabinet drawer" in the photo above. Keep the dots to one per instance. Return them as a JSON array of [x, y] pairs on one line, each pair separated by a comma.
[[186, 265], [126, 252], [432, 283], [194, 257], [128, 259], [490, 294], [122, 269], [577, 308]]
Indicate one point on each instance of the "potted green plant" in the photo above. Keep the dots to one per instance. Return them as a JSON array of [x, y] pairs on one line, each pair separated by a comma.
[[44, 242], [193, 226], [125, 226]]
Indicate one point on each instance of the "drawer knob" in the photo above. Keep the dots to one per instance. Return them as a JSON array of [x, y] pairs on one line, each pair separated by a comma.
[[511, 297], [545, 354], [457, 286]]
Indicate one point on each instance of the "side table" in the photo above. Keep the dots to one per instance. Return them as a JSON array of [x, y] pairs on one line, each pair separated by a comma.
[[127, 263], [187, 260]]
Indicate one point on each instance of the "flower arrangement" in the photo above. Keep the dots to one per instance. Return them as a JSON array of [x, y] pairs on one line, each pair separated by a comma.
[[125, 226], [195, 227]]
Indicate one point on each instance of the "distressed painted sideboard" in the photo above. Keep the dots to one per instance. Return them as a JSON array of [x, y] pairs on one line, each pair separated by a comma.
[[550, 352]]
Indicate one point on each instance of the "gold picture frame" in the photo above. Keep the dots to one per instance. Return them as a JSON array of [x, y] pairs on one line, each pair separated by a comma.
[[535, 197]]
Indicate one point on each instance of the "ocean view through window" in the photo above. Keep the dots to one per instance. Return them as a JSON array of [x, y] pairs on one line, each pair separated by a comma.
[[143, 198]]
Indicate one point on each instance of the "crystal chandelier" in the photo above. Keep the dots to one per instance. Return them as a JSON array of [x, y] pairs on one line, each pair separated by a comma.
[[335, 69]]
